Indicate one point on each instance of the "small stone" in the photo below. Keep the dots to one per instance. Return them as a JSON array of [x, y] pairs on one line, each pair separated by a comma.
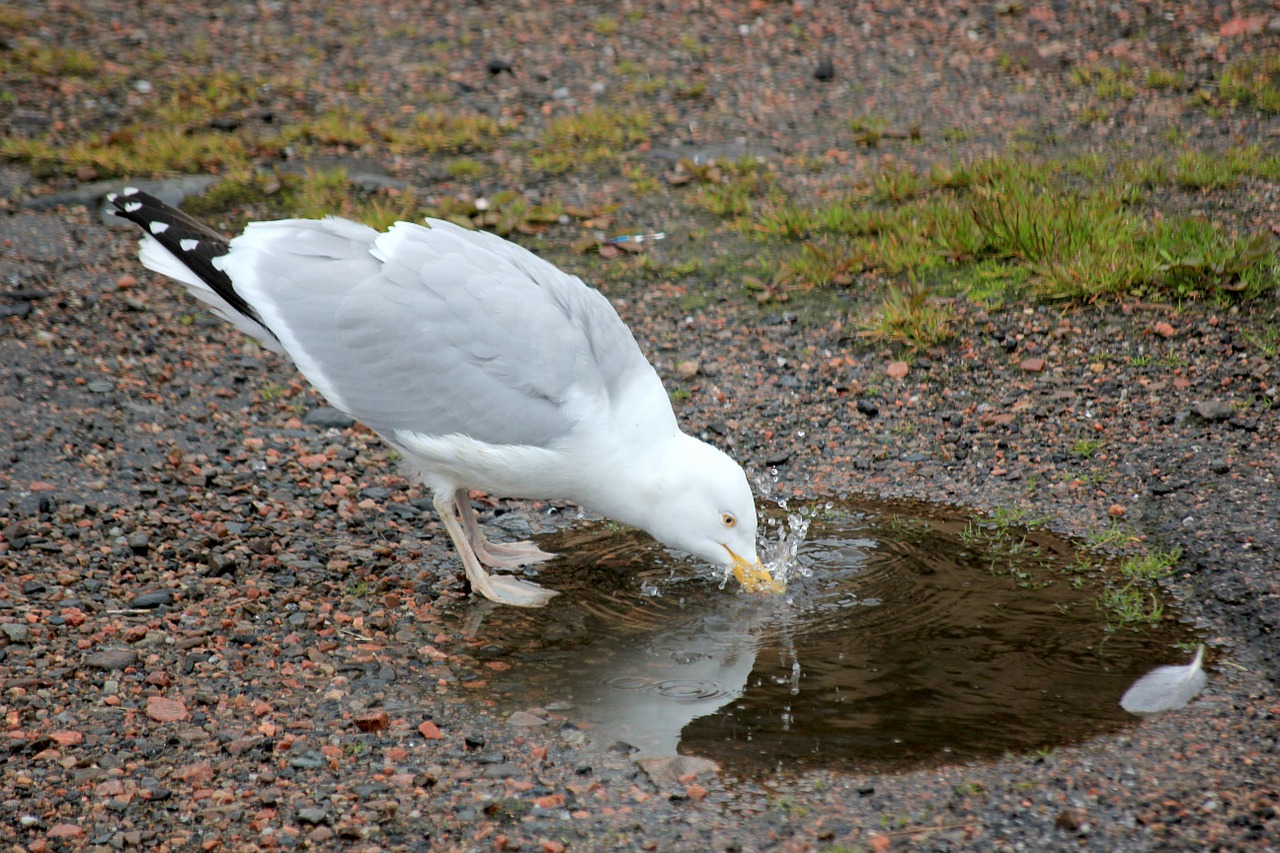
[[868, 408], [309, 760], [17, 632], [374, 721], [1070, 819], [1115, 511], [524, 719], [65, 830], [430, 730], [313, 816], [139, 543], [197, 775], [151, 600], [1213, 410], [1164, 330], [112, 659], [897, 369], [164, 710], [327, 417], [782, 457], [825, 69], [313, 460], [687, 369], [1032, 365], [666, 771]]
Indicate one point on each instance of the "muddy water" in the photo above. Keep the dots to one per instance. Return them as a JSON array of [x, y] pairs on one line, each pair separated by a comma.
[[912, 637]]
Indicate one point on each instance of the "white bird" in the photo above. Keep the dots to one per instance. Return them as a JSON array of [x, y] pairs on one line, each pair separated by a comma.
[[486, 367]]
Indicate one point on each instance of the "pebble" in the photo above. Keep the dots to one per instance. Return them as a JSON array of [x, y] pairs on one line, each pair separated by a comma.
[[112, 659], [525, 719], [327, 417], [314, 816], [151, 600], [310, 760], [1213, 410], [139, 543], [164, 710], [1032, 365], [17, 632]]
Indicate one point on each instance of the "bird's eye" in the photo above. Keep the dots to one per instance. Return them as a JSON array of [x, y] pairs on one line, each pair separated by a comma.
[[728, 519]]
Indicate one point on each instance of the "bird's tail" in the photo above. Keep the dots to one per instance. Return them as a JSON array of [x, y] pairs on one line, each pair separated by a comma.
[[188, 251]]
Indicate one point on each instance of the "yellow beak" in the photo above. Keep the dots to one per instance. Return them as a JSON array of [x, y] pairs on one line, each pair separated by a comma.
[[755, 577]]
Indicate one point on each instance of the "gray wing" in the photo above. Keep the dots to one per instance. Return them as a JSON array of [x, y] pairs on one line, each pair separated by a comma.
[[434, 330]]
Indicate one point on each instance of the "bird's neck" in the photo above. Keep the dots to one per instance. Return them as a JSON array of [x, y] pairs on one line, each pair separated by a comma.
[[631, 486]]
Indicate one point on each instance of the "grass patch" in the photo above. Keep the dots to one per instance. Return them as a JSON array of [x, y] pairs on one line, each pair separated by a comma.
[[997, 228], [1253, 82], [908, 316], [1163, 78], [441, 132], [1151, 566], [30, 57], [1131, 599], [258, 194], [589, 138], [1107, 82], [132, 150]]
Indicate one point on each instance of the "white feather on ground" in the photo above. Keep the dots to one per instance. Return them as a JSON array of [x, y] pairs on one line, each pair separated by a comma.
[[1166, 688]]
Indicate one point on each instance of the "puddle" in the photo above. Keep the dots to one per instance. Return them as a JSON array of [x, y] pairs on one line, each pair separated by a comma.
[[908, 641]]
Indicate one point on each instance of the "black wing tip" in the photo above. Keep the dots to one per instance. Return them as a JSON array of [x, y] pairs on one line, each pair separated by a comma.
[[192, 242]]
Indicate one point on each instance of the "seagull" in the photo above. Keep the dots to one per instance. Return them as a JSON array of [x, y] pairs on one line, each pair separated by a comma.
[[485, 366]]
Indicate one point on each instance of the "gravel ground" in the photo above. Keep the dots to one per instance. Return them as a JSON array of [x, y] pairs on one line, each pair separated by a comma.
[[226, 620]]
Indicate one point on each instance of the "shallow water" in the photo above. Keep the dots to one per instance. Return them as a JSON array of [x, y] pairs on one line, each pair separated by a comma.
[[905, 640]]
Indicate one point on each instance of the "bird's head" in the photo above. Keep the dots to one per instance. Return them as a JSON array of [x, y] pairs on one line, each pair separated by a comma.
[[707, 509]]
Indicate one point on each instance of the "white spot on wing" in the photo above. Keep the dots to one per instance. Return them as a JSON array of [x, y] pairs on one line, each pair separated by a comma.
[[188, 245], [130, 207], [158, 227], [130, 191]]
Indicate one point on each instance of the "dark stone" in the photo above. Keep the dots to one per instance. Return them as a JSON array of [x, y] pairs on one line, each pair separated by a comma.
[[153, 599], [327, 417], [780, 458], [868, 408], [139, 543]]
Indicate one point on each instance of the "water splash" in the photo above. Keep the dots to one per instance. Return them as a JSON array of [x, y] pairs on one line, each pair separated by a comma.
[[781, 556]]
